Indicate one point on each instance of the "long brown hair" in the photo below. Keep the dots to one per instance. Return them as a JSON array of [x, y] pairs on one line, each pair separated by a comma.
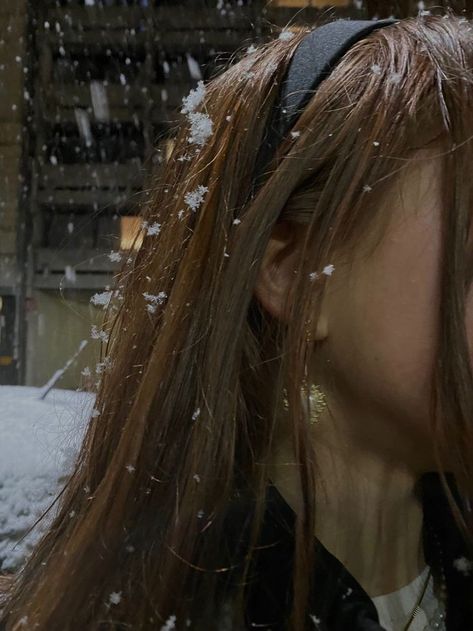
[[194, 365]]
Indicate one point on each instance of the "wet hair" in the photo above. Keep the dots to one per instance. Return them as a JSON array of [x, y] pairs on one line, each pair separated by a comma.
[[194, 365]]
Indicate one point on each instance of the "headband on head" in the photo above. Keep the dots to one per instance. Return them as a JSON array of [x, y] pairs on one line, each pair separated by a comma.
[[311, 63]]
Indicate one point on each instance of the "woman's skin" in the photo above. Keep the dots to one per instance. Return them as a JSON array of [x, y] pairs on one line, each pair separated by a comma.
[[377, 332]]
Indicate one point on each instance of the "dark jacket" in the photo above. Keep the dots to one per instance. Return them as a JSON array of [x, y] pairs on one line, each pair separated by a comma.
[[342, 604]]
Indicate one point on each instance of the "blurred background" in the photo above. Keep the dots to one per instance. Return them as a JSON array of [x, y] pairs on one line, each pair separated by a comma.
[[89, 92]]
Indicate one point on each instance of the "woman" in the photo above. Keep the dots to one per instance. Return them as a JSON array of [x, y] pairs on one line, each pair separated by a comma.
[[283, 436]]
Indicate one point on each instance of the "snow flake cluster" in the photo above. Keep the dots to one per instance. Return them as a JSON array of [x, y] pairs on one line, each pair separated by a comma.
[[196, 414], [101, 366], [102, 298], [98, 334], [201, 124], [154, 300], [194, 98], [195, 198]]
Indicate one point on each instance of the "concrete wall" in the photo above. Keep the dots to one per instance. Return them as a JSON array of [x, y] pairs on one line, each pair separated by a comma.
[[56, 326]]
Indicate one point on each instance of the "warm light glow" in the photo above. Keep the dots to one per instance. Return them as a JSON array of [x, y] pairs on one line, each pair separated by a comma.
[[129, 227]]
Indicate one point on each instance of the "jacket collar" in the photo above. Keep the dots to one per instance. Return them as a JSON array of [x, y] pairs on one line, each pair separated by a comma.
[[339, 602]]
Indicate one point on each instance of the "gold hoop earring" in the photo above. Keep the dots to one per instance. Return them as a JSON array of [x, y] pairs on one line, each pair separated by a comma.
[[318, 402]]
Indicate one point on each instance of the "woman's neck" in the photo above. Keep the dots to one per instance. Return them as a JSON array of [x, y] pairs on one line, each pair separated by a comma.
[[367, 514]]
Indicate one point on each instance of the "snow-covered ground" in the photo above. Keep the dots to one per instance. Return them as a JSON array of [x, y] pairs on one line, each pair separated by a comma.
[[38, 439]]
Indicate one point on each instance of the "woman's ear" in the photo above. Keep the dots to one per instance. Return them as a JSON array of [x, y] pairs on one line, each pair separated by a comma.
[[275, 281], [277, 271]]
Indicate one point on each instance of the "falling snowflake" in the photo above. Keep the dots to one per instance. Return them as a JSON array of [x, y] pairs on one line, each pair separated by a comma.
[[196, 477], [367, 188], [251, 49], [86, 372], [196, 414], [315, 620], [347, 593], [313, 276], [376, 143], [200, 514], [376, 69], [170, 624], [295, 134], [236, 221], [195, 198], [463, 565], [130, 468], [115, 256]]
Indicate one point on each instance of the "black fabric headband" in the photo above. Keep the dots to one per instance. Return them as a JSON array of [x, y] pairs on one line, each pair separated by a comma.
[[312, 61]]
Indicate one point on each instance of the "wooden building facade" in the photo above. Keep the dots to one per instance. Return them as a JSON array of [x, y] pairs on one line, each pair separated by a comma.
[[92, 86]]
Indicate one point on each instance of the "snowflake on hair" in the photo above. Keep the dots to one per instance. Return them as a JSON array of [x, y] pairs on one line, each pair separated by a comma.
[[154, 300], [195, 198], [155, 228], [98, 334], [169, 624], [201, 128], [286, 35], [115, 598], [194, 99]]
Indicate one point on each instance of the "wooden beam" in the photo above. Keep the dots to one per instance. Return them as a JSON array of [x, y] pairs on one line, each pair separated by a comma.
[[96, 176], [82, 260], [164, 18], [93, 198]]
